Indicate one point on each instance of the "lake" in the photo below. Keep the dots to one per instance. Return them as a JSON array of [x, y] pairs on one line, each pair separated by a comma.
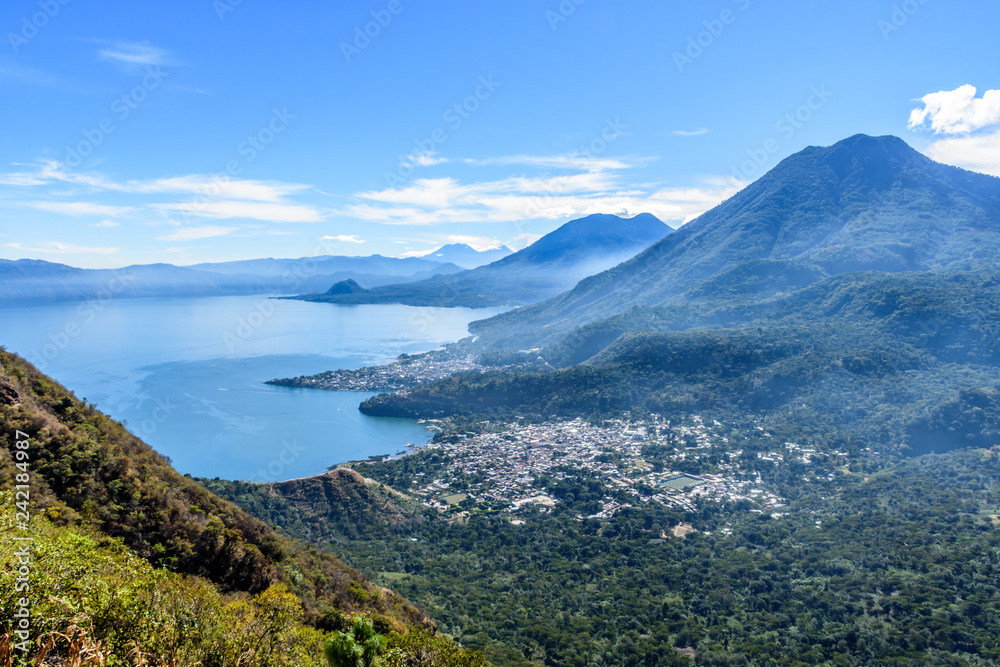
[[187, 374]]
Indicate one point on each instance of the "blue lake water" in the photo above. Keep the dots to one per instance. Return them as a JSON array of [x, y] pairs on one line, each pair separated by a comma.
[[186, 375]]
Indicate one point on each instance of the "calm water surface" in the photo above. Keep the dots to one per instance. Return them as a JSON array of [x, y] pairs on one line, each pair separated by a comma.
[[187, 375]]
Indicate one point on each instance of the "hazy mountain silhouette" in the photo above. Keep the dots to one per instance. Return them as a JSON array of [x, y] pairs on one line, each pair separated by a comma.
[[554, 263]]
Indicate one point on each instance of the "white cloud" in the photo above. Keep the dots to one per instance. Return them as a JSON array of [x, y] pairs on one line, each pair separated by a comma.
[[58, 248], [597, 186], [212, 186], [106, 223], [428, 159], [134, 54], [957, 111], [434, 201], [223, 210], [428, 192], [197, 233], [44, 173], [343, 238], [79, 208], [977, 153], [204, 185], [576, 161], [690, 133], [211, 196]]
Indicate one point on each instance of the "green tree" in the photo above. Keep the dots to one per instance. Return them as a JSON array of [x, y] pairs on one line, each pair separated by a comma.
[[360, 646]]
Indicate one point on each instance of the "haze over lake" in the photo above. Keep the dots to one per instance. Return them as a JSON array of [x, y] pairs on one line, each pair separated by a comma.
[[187, 374]]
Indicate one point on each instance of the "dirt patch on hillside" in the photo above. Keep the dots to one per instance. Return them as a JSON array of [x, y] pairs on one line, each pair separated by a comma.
[[8, 395]]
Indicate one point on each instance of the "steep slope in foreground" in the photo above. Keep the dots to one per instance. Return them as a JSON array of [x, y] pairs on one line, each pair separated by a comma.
[[549, 266], [88, 471], [864, 204]]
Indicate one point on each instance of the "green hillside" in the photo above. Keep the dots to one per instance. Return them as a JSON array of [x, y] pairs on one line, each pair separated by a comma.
[[147, 561], [889, 562]]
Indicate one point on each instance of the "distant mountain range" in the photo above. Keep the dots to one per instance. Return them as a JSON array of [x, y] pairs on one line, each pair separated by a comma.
[[864, 204], [547, 267], [37, 280]]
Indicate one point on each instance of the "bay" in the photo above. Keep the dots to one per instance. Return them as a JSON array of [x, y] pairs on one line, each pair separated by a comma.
[[187, 374]]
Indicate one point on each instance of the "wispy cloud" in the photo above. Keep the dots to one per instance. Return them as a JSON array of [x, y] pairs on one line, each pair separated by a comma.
[[197, 233], [58, 248], [201, 195], [690, 133], [957, 111], [436, 201], [10, 71], [211, 186], [572, 161], [343, 239], [106, 223], [135, 54], [425, 159], [77, 208], [251, 210], [206, 185]]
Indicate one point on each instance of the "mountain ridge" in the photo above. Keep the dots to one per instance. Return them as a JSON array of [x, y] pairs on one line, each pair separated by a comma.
[[865, 203], [553, 263], [39, 280]]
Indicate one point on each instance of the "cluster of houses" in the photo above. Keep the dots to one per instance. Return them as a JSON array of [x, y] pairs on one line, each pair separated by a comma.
[[506, 465]]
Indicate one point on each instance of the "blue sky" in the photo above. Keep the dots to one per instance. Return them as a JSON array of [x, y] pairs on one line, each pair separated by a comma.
[[210, 130]]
